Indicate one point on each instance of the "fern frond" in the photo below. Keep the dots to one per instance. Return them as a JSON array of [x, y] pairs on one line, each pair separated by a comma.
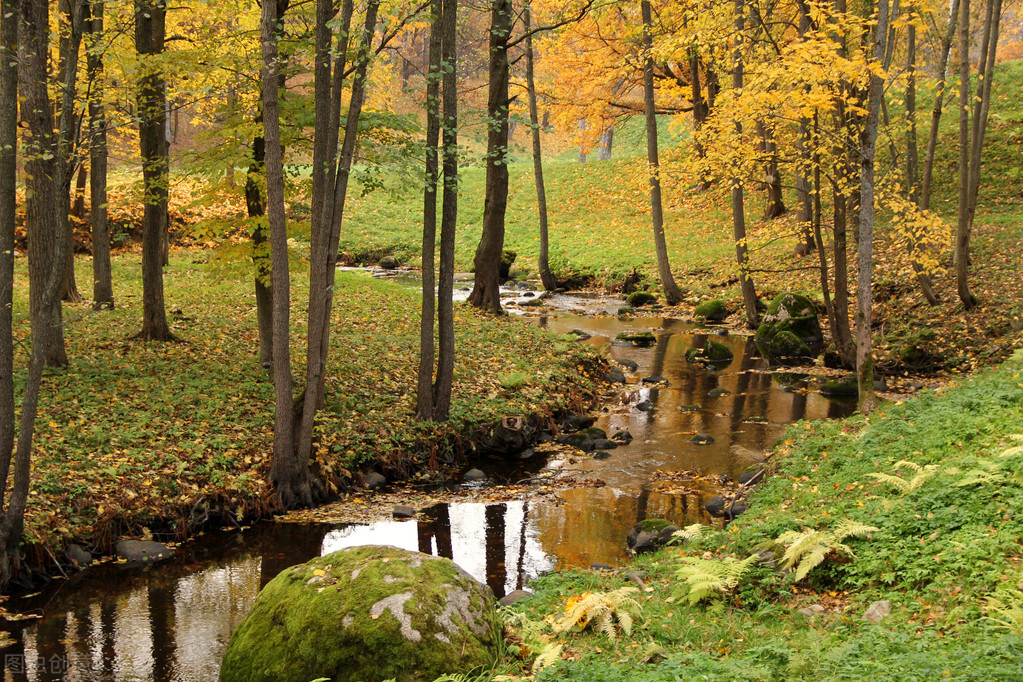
[[550, 655], [810, 561], [848, 528], [1009, 607], [690, 532], [806, 549], [707, 578], [600, 611], [907, 485]]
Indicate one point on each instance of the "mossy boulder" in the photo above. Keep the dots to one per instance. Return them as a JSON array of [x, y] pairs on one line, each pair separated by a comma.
[[640, 298], [638, 338], [713, 310], [795, 315], [649, 534], [712, 353], [365, 613], [507, 259]]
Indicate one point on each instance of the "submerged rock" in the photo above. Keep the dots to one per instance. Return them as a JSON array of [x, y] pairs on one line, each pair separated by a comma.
[[473, 475], [142, 551], [649, 534], [638, 338], [396, 613], [622, 437], [630, 365], [601, 454], [78, 555]]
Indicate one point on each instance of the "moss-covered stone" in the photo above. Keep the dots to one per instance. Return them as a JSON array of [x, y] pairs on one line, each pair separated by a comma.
[[365, 613], [652, 525], [594, 433], [638, 338], [507, 259], [713, 310], [791, 315], [694, 355], [640, 298], [717, 352], [785, 344]]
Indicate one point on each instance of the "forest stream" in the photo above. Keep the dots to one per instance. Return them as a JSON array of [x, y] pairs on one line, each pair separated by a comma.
[[172, 621]]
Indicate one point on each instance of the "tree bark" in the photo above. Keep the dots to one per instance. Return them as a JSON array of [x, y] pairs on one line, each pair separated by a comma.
[[775, 198], [255, 208], [321, 282], [607, 137], [8, 184], [150, 31], [449, 217], [546, 277], [672, 294], [868, 149], [424, 389], [289, 474], [69, 48], [749, 294], [102, 278], [486, 293], [939, 100], [36, 34], [45, 237], [807, 238]]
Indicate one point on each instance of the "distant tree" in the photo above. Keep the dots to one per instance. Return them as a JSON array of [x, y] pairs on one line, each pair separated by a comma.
[[102, 279]]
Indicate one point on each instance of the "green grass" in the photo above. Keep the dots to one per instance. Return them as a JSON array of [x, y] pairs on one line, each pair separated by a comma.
[[941, 551], [134, 434]]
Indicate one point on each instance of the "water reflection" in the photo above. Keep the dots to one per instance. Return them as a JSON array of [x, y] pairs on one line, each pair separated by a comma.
[[173, 622]]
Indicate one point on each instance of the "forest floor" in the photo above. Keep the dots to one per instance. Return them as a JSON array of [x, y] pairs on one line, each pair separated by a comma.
[[134, 438]]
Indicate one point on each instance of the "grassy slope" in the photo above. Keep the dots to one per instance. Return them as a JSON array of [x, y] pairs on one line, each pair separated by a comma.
[[132, 432], [939, 553]]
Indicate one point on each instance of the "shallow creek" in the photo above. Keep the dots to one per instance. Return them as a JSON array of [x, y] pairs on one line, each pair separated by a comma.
[[172, 621]]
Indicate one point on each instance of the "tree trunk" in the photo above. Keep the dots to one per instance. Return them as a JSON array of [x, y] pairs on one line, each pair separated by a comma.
[[701, 110], [70, 43], [548, 279], [289, 474], [8, 183], [606, 141], [486, 293], [672, 295], [41, 210], [749, 294], [939, 99], [865, 255], [255, 208], [912, 162], [35, 25], [150, 30], [807, 239], [582, 150], [973, 135], [424, 389], [321, 282], [449, 217], [102, 280], [772, 175]]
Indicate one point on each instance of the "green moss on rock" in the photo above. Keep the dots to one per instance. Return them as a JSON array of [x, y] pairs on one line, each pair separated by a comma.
[[365, 613], [785, 344], [640, 298], [638, 338], [714, 310]]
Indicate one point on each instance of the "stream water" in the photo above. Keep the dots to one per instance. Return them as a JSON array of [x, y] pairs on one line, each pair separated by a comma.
[[173, 621]]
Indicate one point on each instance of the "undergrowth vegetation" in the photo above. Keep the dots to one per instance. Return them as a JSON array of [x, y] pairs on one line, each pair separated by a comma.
[[829, 530], [138, 434]]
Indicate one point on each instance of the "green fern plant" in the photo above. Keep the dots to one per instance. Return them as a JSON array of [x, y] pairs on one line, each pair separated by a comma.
[[705, 578], [806, 549], [907, 485], [691, 532], [988, 472], [605, 612], [1007, 607]]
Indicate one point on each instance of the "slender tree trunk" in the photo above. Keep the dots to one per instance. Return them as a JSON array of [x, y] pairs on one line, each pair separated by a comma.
[[41, 151], [749, 294], [449, 217], [864, 293], [775, 198], [672, 294], [102, 279], [8, 184], [70, 44], [939, 100], [701, 110], [424, 392], [255, 208], [35, 27], [150, 30], [321, 283], [486, 293], [806, 237], [548, 279], [912, 162], [606, 141], [973, 135], [289, 474]]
